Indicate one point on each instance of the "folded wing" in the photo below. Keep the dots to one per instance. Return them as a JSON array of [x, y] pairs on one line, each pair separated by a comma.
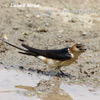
[[61, 54]]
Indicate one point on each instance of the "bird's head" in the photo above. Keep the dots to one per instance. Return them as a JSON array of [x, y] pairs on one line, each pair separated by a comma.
[[79, 48]]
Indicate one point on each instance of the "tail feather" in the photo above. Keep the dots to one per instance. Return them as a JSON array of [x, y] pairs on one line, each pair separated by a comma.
[[14, 46], [28, 53], [28, 50]]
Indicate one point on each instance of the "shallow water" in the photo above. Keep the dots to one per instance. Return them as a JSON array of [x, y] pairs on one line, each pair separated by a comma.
[[80, 92], [11, 80], [18, 84]]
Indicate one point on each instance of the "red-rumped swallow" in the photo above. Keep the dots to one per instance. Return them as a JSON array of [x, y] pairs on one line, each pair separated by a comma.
[[54, 58]]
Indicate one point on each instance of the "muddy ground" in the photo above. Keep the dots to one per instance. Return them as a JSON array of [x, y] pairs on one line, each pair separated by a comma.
[[48, 25]]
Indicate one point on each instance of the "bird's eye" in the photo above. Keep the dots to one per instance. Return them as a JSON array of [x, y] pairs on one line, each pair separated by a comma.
[[78, 46]]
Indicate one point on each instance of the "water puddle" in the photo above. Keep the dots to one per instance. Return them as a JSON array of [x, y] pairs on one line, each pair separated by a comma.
[[18, 84], [81, 92]]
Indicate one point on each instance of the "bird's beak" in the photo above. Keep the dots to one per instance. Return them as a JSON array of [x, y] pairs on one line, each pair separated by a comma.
[[83, 48]]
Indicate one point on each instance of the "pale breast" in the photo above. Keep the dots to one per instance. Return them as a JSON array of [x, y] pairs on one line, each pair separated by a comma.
[[50, 62], [55, 63]]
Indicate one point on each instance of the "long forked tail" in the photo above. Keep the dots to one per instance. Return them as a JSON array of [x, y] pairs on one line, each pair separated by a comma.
[[13, 45], [26, 52]]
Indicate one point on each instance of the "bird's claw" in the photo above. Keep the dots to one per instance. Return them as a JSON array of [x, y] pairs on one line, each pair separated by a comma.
[[62, 74]]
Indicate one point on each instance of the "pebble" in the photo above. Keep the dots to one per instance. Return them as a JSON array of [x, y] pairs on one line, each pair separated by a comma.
[[40, 29], [15, 28], [73, 20], [21, 40], [59, 36], [50, 44], [84, 33], [46, 24], [24, 33], [29, 24]]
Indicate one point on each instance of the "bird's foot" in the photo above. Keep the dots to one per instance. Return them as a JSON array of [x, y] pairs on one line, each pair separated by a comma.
[[62, 74]]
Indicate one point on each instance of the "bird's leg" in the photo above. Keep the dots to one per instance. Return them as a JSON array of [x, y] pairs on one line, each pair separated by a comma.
[[61, 73], [59, 70], [64, 74]]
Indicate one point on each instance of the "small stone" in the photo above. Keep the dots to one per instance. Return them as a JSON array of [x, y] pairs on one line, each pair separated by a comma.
[[50, 44], [92, 72], [84, 33], [59, 36], [30, 25], [46, 24], [21, 67], [24, 33], [15, 28], [73, 20], [5, 37], [40, 29], [21, 40]]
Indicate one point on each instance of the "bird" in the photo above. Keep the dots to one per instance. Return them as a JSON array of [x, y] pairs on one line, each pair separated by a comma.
[[54, 58]]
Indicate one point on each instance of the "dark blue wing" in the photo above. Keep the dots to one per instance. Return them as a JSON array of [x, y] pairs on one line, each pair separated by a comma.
[[61, 54]]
